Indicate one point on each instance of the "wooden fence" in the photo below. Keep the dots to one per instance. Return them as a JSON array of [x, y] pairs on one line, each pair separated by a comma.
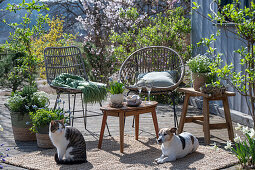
[[226, 43]]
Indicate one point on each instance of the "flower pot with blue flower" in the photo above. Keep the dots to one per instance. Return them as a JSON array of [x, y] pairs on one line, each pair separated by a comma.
[[19, 105], [40, 125]]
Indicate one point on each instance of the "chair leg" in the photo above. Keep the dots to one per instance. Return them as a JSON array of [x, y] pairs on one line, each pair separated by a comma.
[[74, 98], [69, 102], [106, 122], [84, 112], [175, 115]]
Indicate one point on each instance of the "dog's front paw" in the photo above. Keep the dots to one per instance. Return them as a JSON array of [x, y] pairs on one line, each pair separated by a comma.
[[160, 161]]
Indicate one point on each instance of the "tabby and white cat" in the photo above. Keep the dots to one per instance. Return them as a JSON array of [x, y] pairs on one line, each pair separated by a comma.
[[69, 143]]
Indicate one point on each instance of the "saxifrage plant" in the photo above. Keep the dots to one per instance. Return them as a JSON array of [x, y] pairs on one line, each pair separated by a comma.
[[199, 64], [27, 100]]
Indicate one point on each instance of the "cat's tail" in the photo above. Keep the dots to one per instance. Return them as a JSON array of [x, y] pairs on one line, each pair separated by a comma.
[[68, 161]]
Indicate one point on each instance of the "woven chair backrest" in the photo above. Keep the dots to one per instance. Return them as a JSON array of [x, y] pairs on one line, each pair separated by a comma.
[[63, 60], [149, 59]]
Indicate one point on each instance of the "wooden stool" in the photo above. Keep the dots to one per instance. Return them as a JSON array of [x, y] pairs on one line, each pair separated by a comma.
[[204, 120], [128, 111]]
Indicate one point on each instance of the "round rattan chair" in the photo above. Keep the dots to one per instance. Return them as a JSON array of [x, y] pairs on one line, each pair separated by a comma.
[[151, 59], [60, 60]]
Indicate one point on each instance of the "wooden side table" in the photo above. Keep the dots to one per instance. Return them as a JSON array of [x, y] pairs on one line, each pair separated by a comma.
[[204, 120], [124, 112]]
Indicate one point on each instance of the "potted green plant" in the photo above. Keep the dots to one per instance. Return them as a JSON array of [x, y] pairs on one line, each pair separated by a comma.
[[200, 69], [19, 105], [117, 97], [40, 125]]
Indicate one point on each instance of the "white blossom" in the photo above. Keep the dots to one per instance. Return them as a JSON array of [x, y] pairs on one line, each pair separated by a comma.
[[237, 139], [245, 129], [252, 133], [239, 127], [215, 147], [228, 145]]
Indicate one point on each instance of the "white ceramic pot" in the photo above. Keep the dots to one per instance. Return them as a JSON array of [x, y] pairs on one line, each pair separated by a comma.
[[117, 98]]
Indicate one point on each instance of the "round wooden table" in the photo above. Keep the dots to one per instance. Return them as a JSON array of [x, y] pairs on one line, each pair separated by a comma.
[[128, 111]]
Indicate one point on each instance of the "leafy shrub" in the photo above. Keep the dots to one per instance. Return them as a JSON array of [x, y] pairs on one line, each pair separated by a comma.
[[23, 67], [116, 88], [13, 72], [99, 66], [27, 100], [170, 29], [43, 117], [199, 64]]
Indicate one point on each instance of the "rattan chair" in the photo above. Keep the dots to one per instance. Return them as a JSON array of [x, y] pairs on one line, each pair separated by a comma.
[[149, 59], [67, 60]]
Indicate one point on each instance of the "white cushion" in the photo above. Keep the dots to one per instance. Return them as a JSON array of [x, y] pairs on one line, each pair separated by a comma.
[[158, 79]]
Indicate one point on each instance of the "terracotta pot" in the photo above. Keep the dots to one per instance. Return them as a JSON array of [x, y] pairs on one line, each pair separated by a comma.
[[199, 80], [21, 123], [117, 98], [43, 139]]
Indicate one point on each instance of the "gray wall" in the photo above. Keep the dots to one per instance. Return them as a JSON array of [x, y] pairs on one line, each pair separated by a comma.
[[226, 43]]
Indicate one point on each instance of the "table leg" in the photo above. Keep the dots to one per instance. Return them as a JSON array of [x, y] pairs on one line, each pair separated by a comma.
[[155, 121], [102, 130], [228, 119], [206, 121], [121, 123], [184, 112], [136, 126]]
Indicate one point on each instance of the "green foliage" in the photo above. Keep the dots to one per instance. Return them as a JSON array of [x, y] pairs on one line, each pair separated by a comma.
[[27, 100], [116, 88], [13, 73], [29, 6], [16, 103], [43, 117], [170, 29], [244, 148], [199, 64], [23, 67], [242, 81], [99, 66]]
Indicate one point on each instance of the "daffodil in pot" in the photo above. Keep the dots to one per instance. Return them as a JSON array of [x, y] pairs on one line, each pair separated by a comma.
[[116, 89], [200, 68], [19, 105], [40, 125]]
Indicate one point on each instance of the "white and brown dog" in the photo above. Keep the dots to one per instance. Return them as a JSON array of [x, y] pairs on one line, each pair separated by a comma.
[[175, 146]]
